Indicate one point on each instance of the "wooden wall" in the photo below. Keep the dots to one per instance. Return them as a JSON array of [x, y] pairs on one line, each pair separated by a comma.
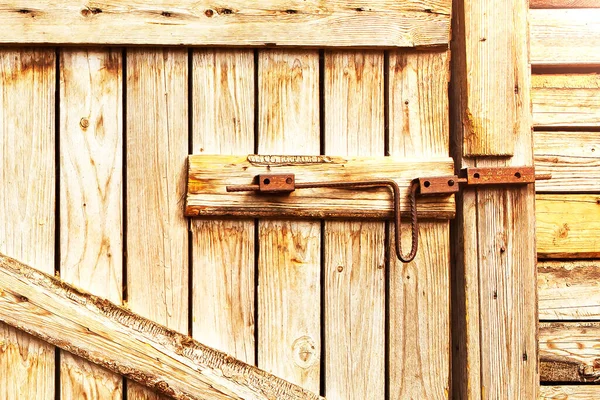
[[565, 44]]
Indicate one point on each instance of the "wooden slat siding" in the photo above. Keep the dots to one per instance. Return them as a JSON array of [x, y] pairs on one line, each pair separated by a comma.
[[496, 263], [91, 176], [157, 146], [354, 251], [336, 23], [419, 301], [223, 251], [568, 226], [570, 351], [569, 290], [27, 202], [564, 4], [569, 392], [289, 270], [129, 344], [573, 159], [566, 100], [565, 37]]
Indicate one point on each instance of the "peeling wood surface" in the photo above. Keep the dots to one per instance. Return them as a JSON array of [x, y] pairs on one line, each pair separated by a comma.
[[335, 23], [354, 265], [569, 392], [566, 100], [142, 350], [157, 232], [223, 251], [289, 260], [569, 290], [27, 216], [568, 225], [209, 175], [565, 36], [573, 159], [570, 352], [91, 185], [419, 299]]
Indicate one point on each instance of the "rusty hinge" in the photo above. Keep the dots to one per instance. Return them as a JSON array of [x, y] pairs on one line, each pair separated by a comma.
[[426, 186]]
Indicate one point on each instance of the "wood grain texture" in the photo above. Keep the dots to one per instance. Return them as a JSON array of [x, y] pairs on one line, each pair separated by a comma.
[[564, 4], [289, 267], [27, 222], [419, 310], [569, 290], [567, 226], [157, 146], [569, 392], [573, 159], [569, 351], [223, 251], [112, 336], [209, 175], [334, 23], [91, 184], [566, 100], [565, 36], [354, 265]]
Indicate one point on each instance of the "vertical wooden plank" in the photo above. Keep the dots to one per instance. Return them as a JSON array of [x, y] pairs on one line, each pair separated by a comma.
[[91, 176], [419, 311], [27, 223], [157, 147], [354, 251], [223, 251], [289, 251]]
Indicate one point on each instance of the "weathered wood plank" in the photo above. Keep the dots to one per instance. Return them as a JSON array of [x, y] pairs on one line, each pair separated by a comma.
[[419, 310], [157, 232], [27, 223], [129, 344], [209, 175], [569, 290], [573, 159], [569, 392], [564, 4], [354, 251], [223, 251], [91, 184], [289, 262], [565, 37], [566, 100], [567, 226], [569, 352], [333, 23]]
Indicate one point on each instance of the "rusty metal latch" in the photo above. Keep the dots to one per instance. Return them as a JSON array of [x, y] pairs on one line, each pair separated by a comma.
[[438, 185]]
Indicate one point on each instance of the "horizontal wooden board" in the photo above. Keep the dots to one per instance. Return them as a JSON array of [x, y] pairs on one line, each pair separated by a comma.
[[569, 290], [567, 226], [360, 23], [569, 392], [573, 159], [566, 100], [564, 4], [565, 36], [209, 175], [569, 352]]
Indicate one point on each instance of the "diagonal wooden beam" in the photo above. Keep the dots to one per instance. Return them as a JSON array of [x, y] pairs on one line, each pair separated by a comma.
[[115, 338]]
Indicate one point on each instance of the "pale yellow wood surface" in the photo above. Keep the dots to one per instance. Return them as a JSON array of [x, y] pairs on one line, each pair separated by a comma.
[[565, 37], [573, 159], [223, 251], [564, 4], [289, 263], [419, 297], [91, 170], [157, 146], [27, 187], [570, 392], [354, 265], [566, 100], [335, 23], [139, 348], [209, 175], [568, 226], [569, 290]]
